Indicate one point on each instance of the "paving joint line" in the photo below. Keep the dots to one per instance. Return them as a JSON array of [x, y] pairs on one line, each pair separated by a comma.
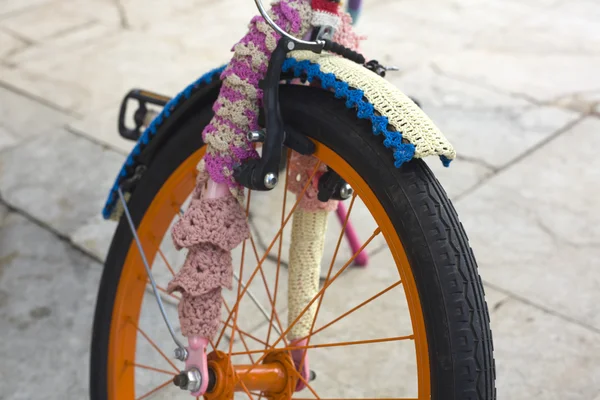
[[38, 99], [515, 161], [513, 296], [123, 20], [59, 235]]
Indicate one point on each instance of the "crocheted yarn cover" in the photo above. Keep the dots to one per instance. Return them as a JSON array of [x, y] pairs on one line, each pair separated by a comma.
[[237, 108], [209, 229], [387, 100], [306, 251]]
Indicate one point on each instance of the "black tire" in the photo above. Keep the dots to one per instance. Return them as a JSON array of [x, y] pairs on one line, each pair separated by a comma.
[[445, 271]]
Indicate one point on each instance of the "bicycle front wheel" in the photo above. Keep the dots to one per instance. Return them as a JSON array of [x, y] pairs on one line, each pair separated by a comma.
[[412, 325]]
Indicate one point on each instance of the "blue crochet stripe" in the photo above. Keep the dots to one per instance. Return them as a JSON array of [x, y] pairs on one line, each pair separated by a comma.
[[150, 132], [355, 98]]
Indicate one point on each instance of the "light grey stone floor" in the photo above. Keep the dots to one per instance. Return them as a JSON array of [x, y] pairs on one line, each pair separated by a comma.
[[513, 84]]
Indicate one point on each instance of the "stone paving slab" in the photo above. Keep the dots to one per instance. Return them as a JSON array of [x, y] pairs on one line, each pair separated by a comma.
[[47, 21], [10, 7], [539, 356], [9, 44], [22, 118], [64, 184], [94, 235], [512, 73], [483, 125], [534, 227], [47, 295], [89, 78]]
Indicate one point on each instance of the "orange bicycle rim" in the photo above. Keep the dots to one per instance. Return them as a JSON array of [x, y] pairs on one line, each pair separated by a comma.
[[151, 230]]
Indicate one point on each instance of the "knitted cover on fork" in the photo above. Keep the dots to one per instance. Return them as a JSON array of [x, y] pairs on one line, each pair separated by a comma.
[[306, 252], [211, 228]]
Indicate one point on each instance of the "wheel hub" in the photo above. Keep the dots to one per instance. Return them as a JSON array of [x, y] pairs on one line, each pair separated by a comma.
[[275, 378]]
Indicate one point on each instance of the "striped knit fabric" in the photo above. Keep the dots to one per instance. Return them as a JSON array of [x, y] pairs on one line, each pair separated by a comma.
[[238, 105]]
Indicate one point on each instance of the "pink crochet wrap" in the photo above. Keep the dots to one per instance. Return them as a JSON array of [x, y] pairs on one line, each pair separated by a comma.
[[211, 228]]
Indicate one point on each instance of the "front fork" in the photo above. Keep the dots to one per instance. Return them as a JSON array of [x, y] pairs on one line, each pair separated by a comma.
[[255, 174]]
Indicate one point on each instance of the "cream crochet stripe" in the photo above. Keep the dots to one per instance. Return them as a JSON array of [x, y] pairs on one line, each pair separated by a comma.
[[306, 252], [406, 117], [238, 105]]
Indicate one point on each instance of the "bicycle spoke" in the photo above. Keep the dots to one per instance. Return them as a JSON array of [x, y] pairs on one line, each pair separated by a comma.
[[156, 389], [240, 279], [242, 333], [153, 345], [285, 189], [244, 388], [162, 289], [306, 384], [142, 366], [327, 345], [329, 271], [327, 284], [364, 303], [162, 255], [246, 345], [271, 246], [264, 279], [254, 299]]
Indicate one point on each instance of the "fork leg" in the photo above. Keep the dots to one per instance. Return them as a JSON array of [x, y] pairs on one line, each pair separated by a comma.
[[362, 259], [306, 252]]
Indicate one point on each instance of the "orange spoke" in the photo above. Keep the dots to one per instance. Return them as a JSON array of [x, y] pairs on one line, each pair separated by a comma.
[[327, 345], [154, 345], [246, 345], [329, 271], [238, 328], [257, 340], [306, 383], [162, 255], [354, 309], [242, 333], [156, 389], [142, 366], [264, 279], [162, 289], [264, 257], [326, 285], [285, 189], [237, 379], [240, 279]]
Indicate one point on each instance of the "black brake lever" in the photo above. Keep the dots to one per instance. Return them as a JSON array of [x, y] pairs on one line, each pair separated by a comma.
[[263, 174]]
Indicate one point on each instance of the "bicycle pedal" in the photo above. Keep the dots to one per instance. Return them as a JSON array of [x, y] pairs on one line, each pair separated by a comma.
[[142, 116]]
